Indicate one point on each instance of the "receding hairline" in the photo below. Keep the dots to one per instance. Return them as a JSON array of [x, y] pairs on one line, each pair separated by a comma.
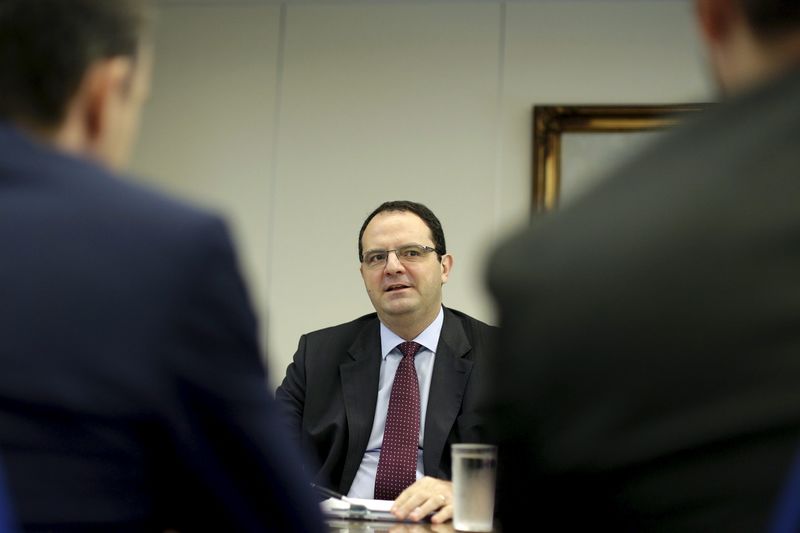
[[400, 211]]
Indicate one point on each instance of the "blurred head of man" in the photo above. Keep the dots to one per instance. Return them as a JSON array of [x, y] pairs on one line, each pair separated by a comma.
[[76, 73], [404, 263], [749, 41]]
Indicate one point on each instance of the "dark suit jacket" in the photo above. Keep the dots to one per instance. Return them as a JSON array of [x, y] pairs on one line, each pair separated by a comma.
[[132, 395], [7, 520], [648, 376], [331, 389]]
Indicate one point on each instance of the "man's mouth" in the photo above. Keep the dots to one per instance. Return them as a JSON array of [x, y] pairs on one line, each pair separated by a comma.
[[395, 287]]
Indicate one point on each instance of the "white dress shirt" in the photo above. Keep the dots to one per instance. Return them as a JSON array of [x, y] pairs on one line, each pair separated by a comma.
[[364, 483]]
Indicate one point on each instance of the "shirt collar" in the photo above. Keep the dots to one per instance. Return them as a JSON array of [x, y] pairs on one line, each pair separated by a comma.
[[429, 338]]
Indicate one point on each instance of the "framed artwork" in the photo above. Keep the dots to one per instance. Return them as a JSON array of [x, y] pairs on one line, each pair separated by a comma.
[[573, 145]]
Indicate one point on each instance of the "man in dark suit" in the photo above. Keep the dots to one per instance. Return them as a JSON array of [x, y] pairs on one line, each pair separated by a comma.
[[648, 376], [132, 393], [340, 389]]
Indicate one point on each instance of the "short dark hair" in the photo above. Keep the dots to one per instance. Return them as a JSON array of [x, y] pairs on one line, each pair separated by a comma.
[[46, 47], [772, 18], [427, 216]]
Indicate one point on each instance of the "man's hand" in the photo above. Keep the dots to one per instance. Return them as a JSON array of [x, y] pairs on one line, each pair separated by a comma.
[[425, 496]]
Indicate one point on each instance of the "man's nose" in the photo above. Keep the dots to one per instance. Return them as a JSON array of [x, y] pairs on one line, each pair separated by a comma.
[[393, 263]]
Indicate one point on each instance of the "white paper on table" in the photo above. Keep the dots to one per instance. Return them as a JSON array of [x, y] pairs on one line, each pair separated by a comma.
[[334, 504]]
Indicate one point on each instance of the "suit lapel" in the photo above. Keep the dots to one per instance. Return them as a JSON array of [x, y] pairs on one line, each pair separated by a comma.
[[359, 379], [450, 376]]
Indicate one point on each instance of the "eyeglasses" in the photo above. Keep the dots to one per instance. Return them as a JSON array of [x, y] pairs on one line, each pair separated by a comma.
[[410, 253]]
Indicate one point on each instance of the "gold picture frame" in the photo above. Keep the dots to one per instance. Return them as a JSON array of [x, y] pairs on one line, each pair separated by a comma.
[[551, 121]]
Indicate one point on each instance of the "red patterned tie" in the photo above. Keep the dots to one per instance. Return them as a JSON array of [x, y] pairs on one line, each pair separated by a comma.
[[397, 466]]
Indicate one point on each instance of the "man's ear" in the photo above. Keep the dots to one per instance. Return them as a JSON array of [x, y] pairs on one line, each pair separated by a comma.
[[447, 265], [716, 18], [105, 82]]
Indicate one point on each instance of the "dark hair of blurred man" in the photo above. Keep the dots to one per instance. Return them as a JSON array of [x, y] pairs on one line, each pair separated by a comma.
[[132, 393], [647, 378]]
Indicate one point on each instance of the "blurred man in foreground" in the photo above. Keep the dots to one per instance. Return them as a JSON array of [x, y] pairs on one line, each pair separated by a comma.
[[648, 376], [132, 394]]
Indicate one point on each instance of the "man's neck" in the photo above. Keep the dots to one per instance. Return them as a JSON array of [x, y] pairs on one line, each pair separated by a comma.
[[753, 61], [65, 137], [409, 327]]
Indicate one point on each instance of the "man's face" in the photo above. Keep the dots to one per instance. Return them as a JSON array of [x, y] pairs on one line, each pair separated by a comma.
[[403, 291]]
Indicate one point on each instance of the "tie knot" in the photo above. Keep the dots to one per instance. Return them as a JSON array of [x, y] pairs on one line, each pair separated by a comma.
[[409, 349]]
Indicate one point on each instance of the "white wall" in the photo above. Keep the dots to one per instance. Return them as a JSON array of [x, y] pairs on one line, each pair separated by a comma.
[[296, 119]]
